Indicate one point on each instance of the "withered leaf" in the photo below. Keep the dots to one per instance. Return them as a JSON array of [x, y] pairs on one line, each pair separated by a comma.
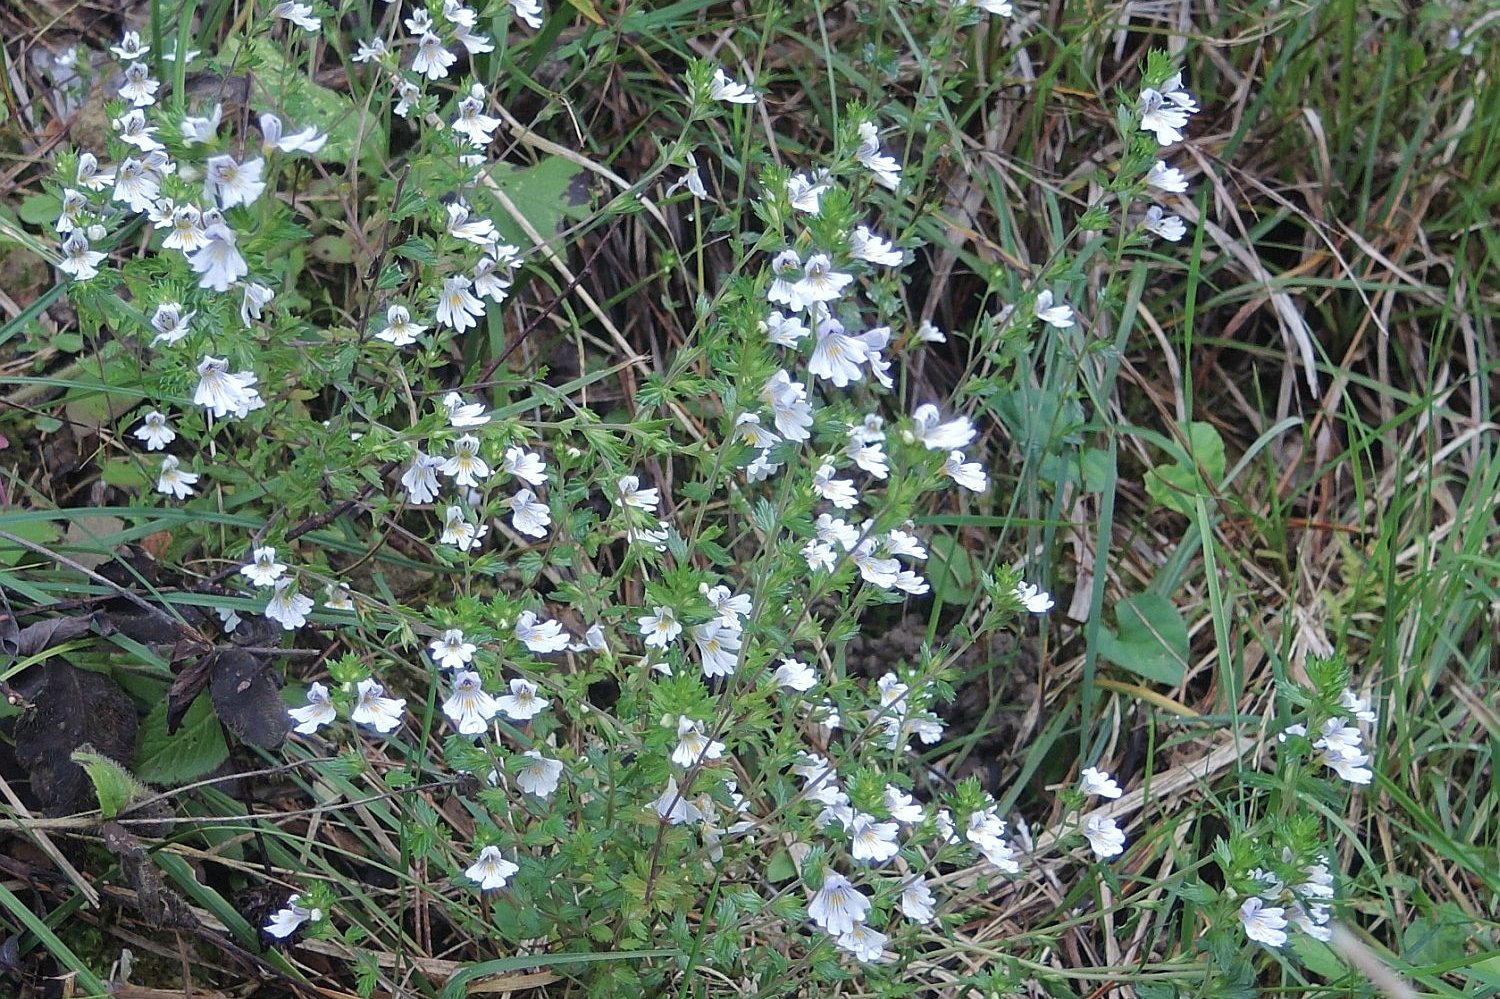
[[185, 689], [43, 635], [247, 700], [160, 905], [154, 627], [72, 707]]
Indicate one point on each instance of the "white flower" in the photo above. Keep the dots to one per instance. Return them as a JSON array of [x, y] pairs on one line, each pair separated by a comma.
[[228, 619], [461, 225], [199, 130], [901, 806], [299, 14], [229, 183], [761, 467], [284, 921], [472, 122], [187, 233], [540, 776], [659, 627], [866, 245], [1000, 8], [693, 745], [133, 130], [1357, 706], [458, 532], [820, 282], [529, 11], [786, 271], [838, 906], [453, 650], [1168, 227], [748, 428], [840, 492], [74, 204], [218, 260], [835, 530], [542, 637], [288, 607], [1311, 919], [465, 467], [719, 646], [525, 465], [872, 840], [91, 177], [927, 426], [374, 709], [155, 431], [272, 135], [135, 185], [529, 515], [865, 943], [1094, 781], [337, 597], [522, 703], [407, 94], [916, 900], [690, 179], [256, 298], [789, 406], [837, 356], [173, 481], [672, 806], [730, 606], [881, 572], [457, 307], [968, 474], [317, 712], [928, 333], [472, 43], [130, 46], [399, 330], [804, 194], [1165, 113], [793, 674], [263, 569], [139, 89], [1168, 179], [885, 168], [419, 22], [725, 89], [1349, 766], [628, 492], [491, 870], [783, 330], [1265, 924], [370, 49], [1033, 598], [1105, 838], [432, 60], [420, 479], [1058, 315], [77, 259], [468, 706], [464, 414], [820, 555]]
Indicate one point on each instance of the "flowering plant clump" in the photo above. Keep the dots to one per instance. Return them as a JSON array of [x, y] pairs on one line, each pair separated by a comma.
[[625, 651]]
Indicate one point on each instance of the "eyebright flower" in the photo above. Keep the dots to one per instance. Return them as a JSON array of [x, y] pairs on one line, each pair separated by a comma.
[[452, 651], [917, 901], [458, 532], [1058, 315], [691, 180], [522, 703], [204, 129], [837, 356], [466, 468], [1033, 599], [372, 48], [1165, 113], [659, 627], [173, 481], [468, 706], [804, 194], [1000, 8], [542, 637], [1094, 781], [629, 493], [287, 607], [718, 646], [228, 183], [479, 231], [457, 307], [1265, 924], [263, 569], [338, 597], [420, 479], [491, 870], [130, 47], [1168, 179], [139, 89], [223, 393], [793, 674], [730, 606], [840, 492], [885, 168], [1168, 227], [77, 259], [529, 515], [407, 94], [472, 43], [837, 906], [693, 745], [927, 427], [529, 11], [155, 431], [1105, 838], [872, 840], [316, 713], [866, 245], [789, 406], [186, 230], [133, 129], [820, 282], [299, 14], [539, 777], [525, 465], [273, 137], [432, 60], [284, 921], [375, 710], [729, 91], [968, 474], [786, 272], [218, 261], [866, 943], [257, 296], [464, 414], [399, 330], [783, 330], [672, 806], [472, 122]]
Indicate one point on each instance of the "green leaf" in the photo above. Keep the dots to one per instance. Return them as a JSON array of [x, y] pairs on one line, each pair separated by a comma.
[[1152, 640], [112, 782], [951, 570], [1177, 486], [300, 102], [545, 194], [41, 209], [36, 530], [192, 751]]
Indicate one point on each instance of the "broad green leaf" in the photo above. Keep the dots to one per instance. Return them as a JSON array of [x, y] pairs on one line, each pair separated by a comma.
[[35, 529], [196, 748], [546, 193], [1152, 640], [40, 209], [1176, 486], [951, 571]]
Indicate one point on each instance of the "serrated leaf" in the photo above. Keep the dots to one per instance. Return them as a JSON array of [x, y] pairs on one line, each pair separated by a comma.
[[1152, 640], [196, 748]]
